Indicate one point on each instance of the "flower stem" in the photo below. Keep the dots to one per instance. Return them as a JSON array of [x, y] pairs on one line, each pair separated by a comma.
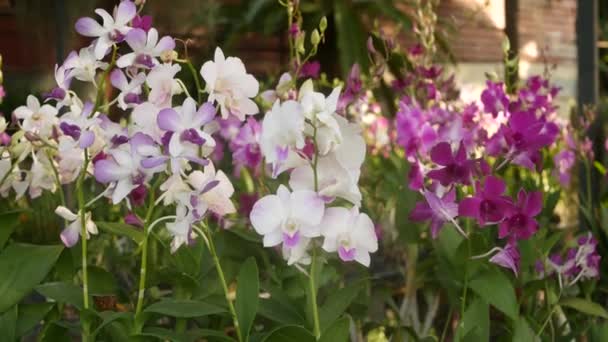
[[197, 82], [144, 262], [83, 238], [313, 295], [220, 272]]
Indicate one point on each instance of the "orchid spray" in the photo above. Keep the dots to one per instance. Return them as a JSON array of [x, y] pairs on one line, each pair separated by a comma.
[[304, 135], [159, 156]]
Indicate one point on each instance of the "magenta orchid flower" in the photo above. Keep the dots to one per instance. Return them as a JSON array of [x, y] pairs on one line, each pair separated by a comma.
[[456, 167], [522, 138], [521, 224], [489, 205], [494, 98], [112, 31], [146, 48]]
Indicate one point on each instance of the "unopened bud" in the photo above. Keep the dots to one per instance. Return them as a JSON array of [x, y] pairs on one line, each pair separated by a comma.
[[315, 38], [140, 2], [168, 56], [31, 136], [300, 43], [323, 24]]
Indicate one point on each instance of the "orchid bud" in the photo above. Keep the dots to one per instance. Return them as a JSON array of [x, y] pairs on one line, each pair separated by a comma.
[[140, 2], [168, 56], [315, 38], [323, 24], [31, 136], [5, 139], [370, 45], [300, 43]]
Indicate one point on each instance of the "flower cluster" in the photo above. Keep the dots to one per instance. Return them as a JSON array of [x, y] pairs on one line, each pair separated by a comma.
[[454, 151], [323, 152], [166, 139], [579, 263]]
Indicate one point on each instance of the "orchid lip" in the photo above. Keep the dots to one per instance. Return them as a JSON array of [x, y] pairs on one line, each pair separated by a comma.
[[71, 130], [346, 254], [291, 241]]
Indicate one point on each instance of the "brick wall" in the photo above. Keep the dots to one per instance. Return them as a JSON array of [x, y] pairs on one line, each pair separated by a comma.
[[545, 27]]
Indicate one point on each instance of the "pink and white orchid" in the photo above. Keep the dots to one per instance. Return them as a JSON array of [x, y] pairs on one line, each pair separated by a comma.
[[112, 31], [229, 84], [350, 233], [287, 217], [146, 48], [71, 234]]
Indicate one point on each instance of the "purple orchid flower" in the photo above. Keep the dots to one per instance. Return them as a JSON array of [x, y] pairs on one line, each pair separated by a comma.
[[489, 205], [142, 22], [456, 167], [522, 138], [245, 147], [507, 257], [112, 31], [439, 210], [494, 98], [521, 224], [184, 134], [146, 48]]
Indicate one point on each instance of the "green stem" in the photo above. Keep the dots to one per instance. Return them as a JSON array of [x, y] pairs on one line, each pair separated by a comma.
[[199, 89], [315, 160], [83, 238], [466, 275], [102, 82], [313, 295], [220, 272], [555, 307], [144, 262]]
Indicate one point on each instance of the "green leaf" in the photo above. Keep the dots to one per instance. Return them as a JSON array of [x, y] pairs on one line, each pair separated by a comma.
[[8, 223], [584, 306], [476, 323], [23, 267], [279, 312], [188, 336], [101, 282], [337, 304], [337, 332], [122, 229], [30, 315], [8, 324], [62, 292], [600, 167], [291, 333], [108, 318], [247, 296], [496, 288], [350, 37], [523, 332], [184, 308]]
